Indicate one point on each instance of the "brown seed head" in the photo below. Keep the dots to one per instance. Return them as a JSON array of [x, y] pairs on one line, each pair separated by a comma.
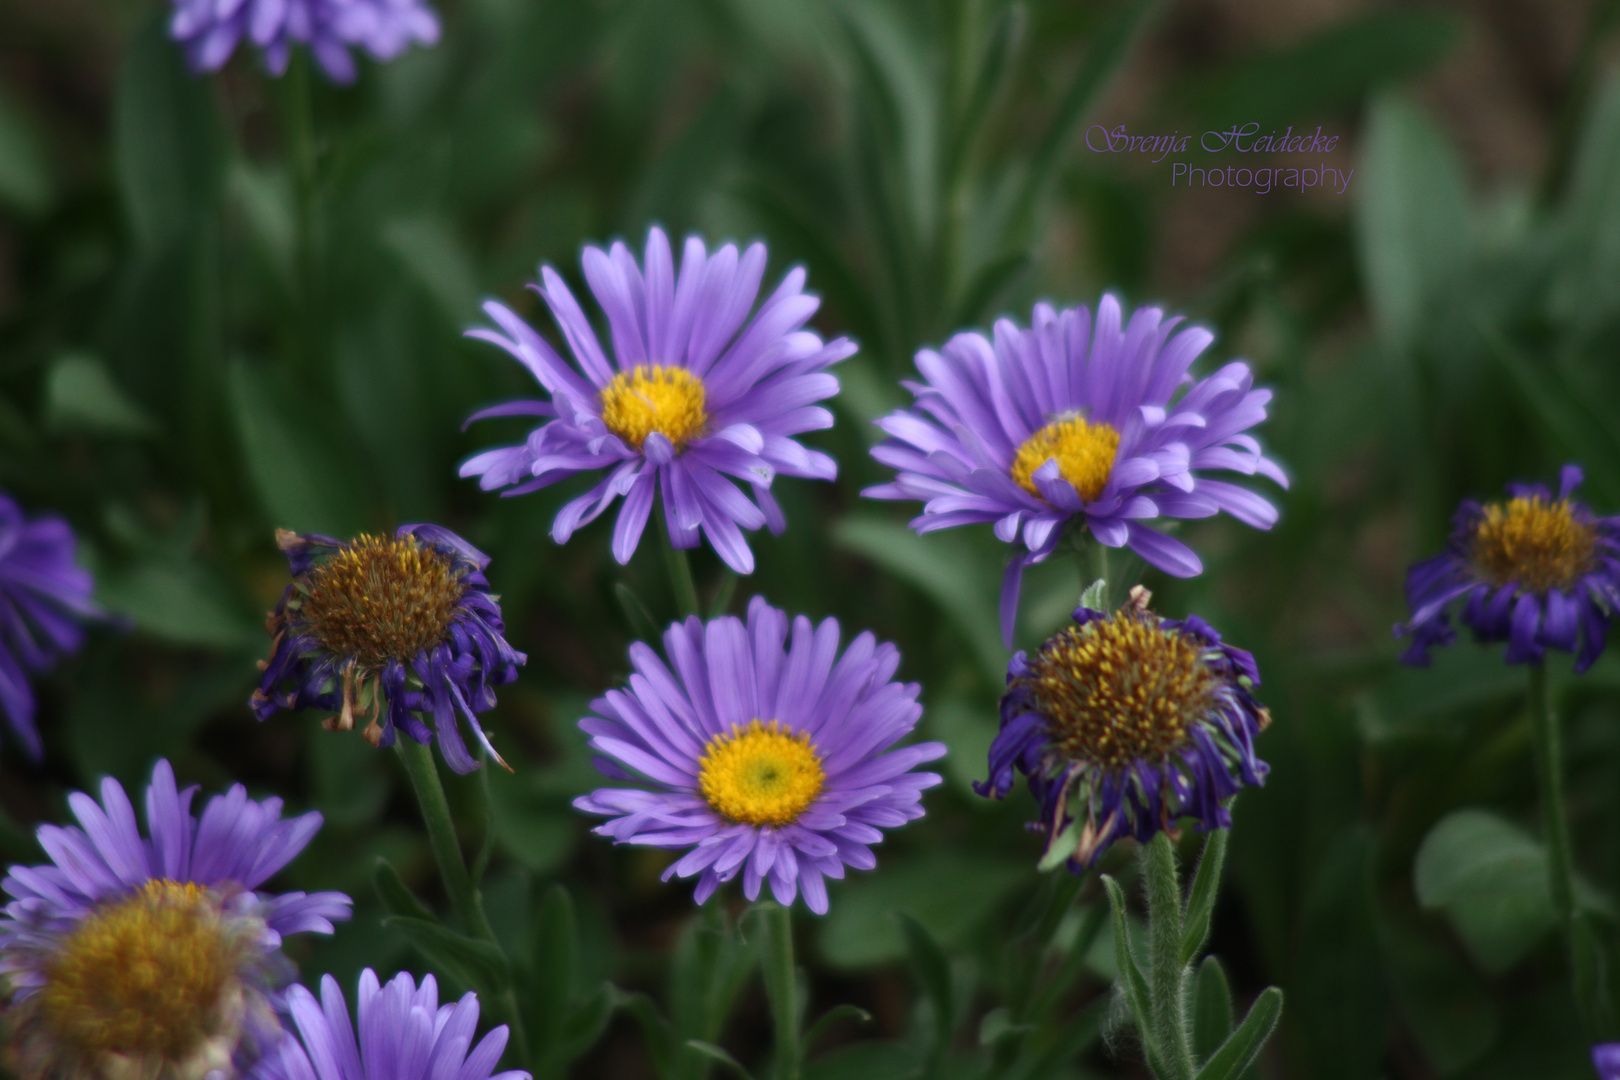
[[381, 599], [1119, 689]]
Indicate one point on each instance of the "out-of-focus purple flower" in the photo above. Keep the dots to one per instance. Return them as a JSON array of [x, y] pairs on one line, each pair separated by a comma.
[[404, 1034], [696, 392], [403, 627], [1534, 571], [155, 955], [1074, 423], [1606, 1060], [44, 595], [211, 29], [768, 752], [1123, 723]]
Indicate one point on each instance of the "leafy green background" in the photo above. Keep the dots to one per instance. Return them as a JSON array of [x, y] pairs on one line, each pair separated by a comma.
[[179, 376]]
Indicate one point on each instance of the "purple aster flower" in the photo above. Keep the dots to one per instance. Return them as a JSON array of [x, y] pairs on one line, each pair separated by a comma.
[[1534, 571], [1072, 424], [1123, 723], [405, 1034], [769, 755], [43, 596], [1606, 1060], [402, 627], [211, 29], [155, 955], [696, 392]]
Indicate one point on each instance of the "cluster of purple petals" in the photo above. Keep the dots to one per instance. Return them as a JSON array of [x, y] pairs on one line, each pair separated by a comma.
[[404, 1034], [211, 29], [1606, 1060], [981, 400], [1145, 796], [233, 847], [762, 377], [456, 677], [722, 675], [1574, 621], [44, 595]]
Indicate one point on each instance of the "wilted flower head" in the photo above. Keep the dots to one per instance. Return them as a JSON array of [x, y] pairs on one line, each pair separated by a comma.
[[404, 1034], [1073, 423], [211, 29], [400, 626], [768, 756], [136, 957], [1534, 571], [1124, 722], [44, 595], [696, 392]]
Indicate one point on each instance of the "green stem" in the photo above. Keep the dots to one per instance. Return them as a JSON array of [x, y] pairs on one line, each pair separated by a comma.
[[782, 987], [680, 575], [298, 131], [1549, 753], [465, 898], [1094, 567], [1167, 981]]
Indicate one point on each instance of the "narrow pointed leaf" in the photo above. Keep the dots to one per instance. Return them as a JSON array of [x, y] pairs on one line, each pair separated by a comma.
[[1244, 1044], [477, 964], [1136, 990], [1212, 1009], [1201, 900]]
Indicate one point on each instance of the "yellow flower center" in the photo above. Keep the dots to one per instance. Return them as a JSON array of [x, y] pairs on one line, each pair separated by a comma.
[[658, 397], [1119, 689], [148, 975], [381, 598], [1540, 545], [1084, 452], [762, 774]]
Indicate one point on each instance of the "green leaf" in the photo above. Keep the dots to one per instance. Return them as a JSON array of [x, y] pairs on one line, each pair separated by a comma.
[[719, 1054], [437, 262], [1206, 885], [473, 963], [1411, 218], [933, 971], [859, 931], [182, 603], [1244, 1044], [988, 285], [1212, 1009], [1327, 72], [302, 488], [25, 175], [1096, 596], [946, 569], [167, 138], [830, 1019], [396, 896], [555, 951], [1490, 877], [868, 1060], [1135, 985], [585, 1024], [660, 1034], [1449, 1013], [1061, 847], [1105, 56], [80, 395]]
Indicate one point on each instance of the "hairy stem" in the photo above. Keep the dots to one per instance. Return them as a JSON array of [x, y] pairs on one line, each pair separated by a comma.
[[1167, 981]]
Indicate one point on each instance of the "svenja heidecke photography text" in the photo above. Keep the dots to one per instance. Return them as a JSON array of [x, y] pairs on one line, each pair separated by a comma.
[[809, 540]]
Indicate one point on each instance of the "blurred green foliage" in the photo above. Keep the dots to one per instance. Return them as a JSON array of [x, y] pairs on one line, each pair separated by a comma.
[[210, 328]]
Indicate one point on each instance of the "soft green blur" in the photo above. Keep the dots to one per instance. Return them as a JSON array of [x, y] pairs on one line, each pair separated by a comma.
[[202, 341]]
